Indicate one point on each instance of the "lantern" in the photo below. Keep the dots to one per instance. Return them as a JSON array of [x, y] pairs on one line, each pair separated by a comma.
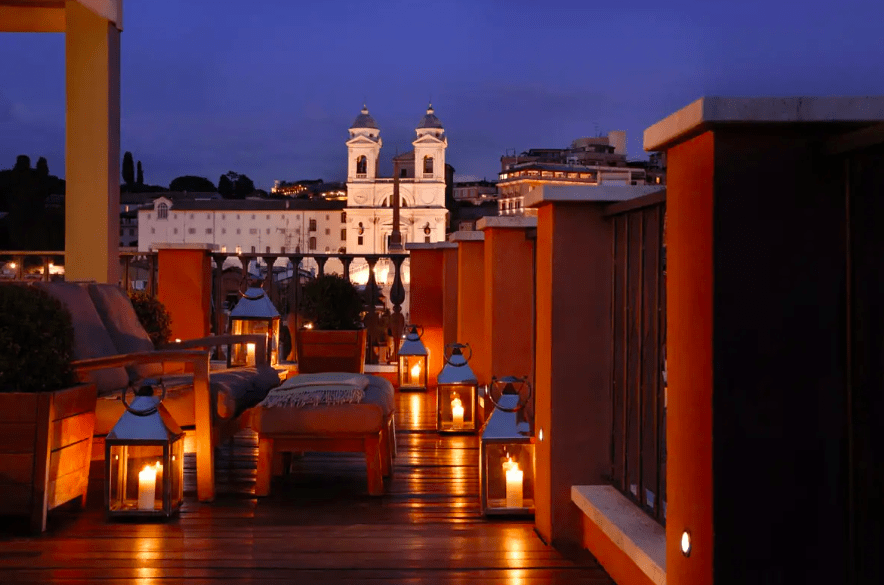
[[506, 451], [413, 360], [457, 396], [144, 459], [253, 314]]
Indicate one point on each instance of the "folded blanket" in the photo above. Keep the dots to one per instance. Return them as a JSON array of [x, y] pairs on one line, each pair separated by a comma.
[[315, 389]]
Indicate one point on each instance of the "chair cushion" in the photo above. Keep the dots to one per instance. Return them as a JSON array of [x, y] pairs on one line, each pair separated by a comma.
[[123, 326], [363, 417], [234, 391], [91, 339]]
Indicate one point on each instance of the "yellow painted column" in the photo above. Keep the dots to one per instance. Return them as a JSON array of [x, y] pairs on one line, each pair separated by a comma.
[[92, 146]]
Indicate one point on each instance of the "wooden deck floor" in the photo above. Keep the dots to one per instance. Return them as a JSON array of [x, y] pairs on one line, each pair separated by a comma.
[[319, 525]]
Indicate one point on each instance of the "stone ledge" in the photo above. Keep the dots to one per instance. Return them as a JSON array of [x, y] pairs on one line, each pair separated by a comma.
[[588, 193], [430, 246], [466, 236], [506, 221], [761, 110], [630, 529]]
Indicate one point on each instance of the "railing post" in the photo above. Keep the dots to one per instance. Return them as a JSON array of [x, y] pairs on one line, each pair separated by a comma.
[[397, 297], [320, 262], [292, 319], [371, 317]]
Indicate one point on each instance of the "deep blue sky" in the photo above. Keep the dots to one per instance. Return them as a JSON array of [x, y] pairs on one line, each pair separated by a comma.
[[269, 88]]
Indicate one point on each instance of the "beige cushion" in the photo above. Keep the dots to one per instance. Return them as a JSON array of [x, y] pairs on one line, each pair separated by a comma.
[[364, 417], [122, 324], [91, 339]]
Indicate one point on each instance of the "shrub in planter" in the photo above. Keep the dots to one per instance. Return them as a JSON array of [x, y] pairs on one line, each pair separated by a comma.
[[336, 342], [38, 390], [153, 316], [331, 302], [36, 341]]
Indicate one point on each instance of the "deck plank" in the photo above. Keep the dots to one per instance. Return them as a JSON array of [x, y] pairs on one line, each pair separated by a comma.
[[318, 525]]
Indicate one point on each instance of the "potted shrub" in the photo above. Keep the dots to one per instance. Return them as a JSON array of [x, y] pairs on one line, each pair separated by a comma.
[[46, 417], [333, 337], [153, 316]]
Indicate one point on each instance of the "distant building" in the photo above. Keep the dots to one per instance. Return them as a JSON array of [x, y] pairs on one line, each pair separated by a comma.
[[313, 188], [269, 226], [422, 183], [475, 192], [588, 161]]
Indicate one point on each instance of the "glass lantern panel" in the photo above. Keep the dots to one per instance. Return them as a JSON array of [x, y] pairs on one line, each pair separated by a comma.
[[243, 354], [136, 478], [457, 407], [509, 473], [177, 476], [412, 372]]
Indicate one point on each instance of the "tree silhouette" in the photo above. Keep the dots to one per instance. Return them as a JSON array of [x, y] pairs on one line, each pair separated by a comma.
[[244, 186], [42, 167], [128, 168], [192, 183], [225, 186], [140, 177]]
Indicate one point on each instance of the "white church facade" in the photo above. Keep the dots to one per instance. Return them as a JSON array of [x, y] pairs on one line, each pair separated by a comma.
[[421, 175]]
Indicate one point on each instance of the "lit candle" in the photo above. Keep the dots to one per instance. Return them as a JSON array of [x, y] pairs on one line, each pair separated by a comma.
[[415, 373], [147, 486], [514, 479], [250, 354], [457, 412]]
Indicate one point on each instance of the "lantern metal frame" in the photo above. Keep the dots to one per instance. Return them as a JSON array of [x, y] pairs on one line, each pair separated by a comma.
[[507, 459], [254, 314], [457, 381], [413, 353], [145, 433]]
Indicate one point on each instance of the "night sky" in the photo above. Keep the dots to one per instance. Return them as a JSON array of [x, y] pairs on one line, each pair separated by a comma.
[[268, 88]]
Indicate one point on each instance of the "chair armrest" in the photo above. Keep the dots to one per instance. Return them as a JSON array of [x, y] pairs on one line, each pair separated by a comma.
[[141, 357], [260, 341]]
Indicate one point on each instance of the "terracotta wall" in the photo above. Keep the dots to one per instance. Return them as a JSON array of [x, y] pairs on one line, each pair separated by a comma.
[[427, 290], [689, 356], [573, 364], [184, 285], [471, 305]]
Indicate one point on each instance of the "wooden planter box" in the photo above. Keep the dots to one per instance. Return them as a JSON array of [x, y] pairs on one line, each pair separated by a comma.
[[45, 450], [331, 351]]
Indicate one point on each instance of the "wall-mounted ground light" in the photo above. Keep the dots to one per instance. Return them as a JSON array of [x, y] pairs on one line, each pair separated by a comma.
[[686, 543], [540, 434]]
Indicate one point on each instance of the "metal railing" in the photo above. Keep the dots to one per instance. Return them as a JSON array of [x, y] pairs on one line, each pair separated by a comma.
[[283, 285], [138, 270], [638, 313]]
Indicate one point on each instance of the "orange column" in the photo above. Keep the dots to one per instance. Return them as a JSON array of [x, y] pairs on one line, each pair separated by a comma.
[[427, 294], [471, 299], [184, 285], [449, 295], [509, 295], [689, 339], [573, 363]]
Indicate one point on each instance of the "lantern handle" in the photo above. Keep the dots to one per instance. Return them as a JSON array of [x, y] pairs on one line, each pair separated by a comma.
[[243, 294], [416, 328], [510, 380], [146, 411], [448, 355]]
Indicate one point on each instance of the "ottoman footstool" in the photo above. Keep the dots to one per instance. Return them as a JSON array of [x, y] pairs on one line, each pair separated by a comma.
[[332, 420]]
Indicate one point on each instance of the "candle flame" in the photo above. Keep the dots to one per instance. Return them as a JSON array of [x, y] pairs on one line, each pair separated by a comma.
[[416, 370]]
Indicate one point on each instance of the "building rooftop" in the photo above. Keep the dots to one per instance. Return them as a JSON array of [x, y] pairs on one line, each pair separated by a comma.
[[430, 120], [364, 120], [260, 205]]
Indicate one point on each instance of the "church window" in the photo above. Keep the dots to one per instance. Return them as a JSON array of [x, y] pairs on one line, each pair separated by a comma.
[[403, 173], [428, 165], [343, 234], [343, 217], [359, 240], [361, 164], [162, 211]]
